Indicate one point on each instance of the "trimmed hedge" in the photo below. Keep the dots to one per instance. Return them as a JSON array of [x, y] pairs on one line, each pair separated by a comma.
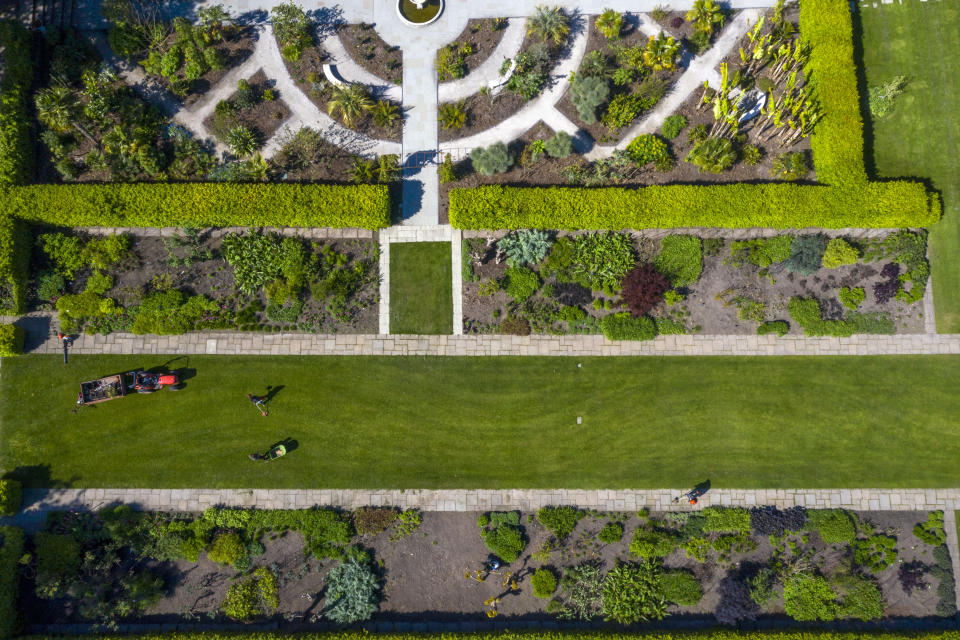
[[11, 495], [837, 140], [200, 205], [774, 205], [16, 146], [11, 344], [15, 243], [11, 548]]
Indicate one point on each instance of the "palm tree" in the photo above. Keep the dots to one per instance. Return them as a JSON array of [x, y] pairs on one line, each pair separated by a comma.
[[549, 23], [388, 168], [609, 24], [351, 101], [713, 154], [57, 108], [242, 141], [385, 113], [707, 14], [661, 53], [362, 172]]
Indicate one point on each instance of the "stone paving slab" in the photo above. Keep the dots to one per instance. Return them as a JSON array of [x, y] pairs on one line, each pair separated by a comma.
[[266, 344]]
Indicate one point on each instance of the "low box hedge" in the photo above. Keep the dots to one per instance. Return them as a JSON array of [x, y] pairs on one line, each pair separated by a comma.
[[11, 344], [11, 494], [11, 548], [15, 243], [544, 635], [776, 205]]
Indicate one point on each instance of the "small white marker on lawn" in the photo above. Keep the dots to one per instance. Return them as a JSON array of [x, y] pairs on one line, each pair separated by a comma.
[[579, 420]]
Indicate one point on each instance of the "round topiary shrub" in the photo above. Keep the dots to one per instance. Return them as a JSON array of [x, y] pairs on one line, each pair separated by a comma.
[[645, 149], [521, 283], [544, 583], [227, 548]]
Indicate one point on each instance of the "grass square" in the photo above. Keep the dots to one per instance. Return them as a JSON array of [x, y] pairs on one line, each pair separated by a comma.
[[421, 295]]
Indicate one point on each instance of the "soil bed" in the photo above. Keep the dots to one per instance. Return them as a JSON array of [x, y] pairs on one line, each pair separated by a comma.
[[428, 576], [368, 50], [264, 118], [483, 35]]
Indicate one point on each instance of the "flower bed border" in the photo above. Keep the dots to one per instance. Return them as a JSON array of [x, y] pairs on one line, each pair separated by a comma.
[[846, 198]]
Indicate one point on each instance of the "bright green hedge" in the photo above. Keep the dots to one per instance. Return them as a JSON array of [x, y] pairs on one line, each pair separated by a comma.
[[11, 341], [16, 148], [15, 242], [778, 206], [200, 205], [11, 494], [11, 548], [837, 140]]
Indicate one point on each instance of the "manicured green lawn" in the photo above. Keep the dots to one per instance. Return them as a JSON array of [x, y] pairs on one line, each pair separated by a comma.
[[421, 298], [493, 422], [921, 40]]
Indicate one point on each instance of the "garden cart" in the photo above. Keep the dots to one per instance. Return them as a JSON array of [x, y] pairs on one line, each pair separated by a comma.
[[117, 385]]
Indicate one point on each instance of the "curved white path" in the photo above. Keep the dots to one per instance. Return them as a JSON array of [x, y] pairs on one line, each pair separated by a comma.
[[488, 73], [351, 71]]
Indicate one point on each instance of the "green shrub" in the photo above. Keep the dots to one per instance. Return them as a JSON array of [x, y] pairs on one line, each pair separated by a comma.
[[11, 492], [58, 559], [653, 543], [191, 548], [353, 592], [876, 553], [778, 327], [370, 521], [255, 596], [99, 282], [807, 597], [726, 520], [587, 93], [624, 108], [11, 550], [292, 28], [170, 312], [930, 531], [859, 598], [680, 259], [623, 326], [73, 310], [806, 253], [775, 205], [682, 588], [852, 298], [790, 166], [598, 261], [559, 146], [525, 246], [506, 541], [839, 252], [611, 533], [609, 23], [490, 160], [672, 126], [11, 340], [762, 252], [544, 582], [836, 526], [713, 155], [521, 283], [761, 586], [16, 141], [646, 148], [560, 521], [806, 313], [633, 593], [227, 548]]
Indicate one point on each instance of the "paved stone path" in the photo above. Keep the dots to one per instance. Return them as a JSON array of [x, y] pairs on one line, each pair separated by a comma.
[[488, 73], [251, 343]]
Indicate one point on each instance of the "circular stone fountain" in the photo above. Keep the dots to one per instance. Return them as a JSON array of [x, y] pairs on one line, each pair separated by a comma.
[[419, 13]]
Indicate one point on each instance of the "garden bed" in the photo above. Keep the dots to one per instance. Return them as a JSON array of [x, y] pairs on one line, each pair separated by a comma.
[[720, 286], [480, 37], [368, 50], [190, 281], [727, 566], [255, 105]]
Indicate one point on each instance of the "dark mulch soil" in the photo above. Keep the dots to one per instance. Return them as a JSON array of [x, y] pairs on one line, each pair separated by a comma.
[[483, 36], [367, 49], [425, 575], [485, 110], [630, 36], [308, 73], [264, 118], [683, 29], [326, 163], [702, 312]]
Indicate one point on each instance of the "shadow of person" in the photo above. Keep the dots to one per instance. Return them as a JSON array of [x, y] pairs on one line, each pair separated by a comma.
[[272, 391], [288, 443], [703, 487]]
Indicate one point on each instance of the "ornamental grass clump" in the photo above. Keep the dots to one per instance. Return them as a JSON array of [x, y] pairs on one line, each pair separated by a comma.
[[633, 593], [680, 259], [491, 160], [836, 526], [560, 521]]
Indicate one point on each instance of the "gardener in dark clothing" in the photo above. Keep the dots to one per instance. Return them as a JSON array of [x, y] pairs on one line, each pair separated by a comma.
[[259, 403]]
